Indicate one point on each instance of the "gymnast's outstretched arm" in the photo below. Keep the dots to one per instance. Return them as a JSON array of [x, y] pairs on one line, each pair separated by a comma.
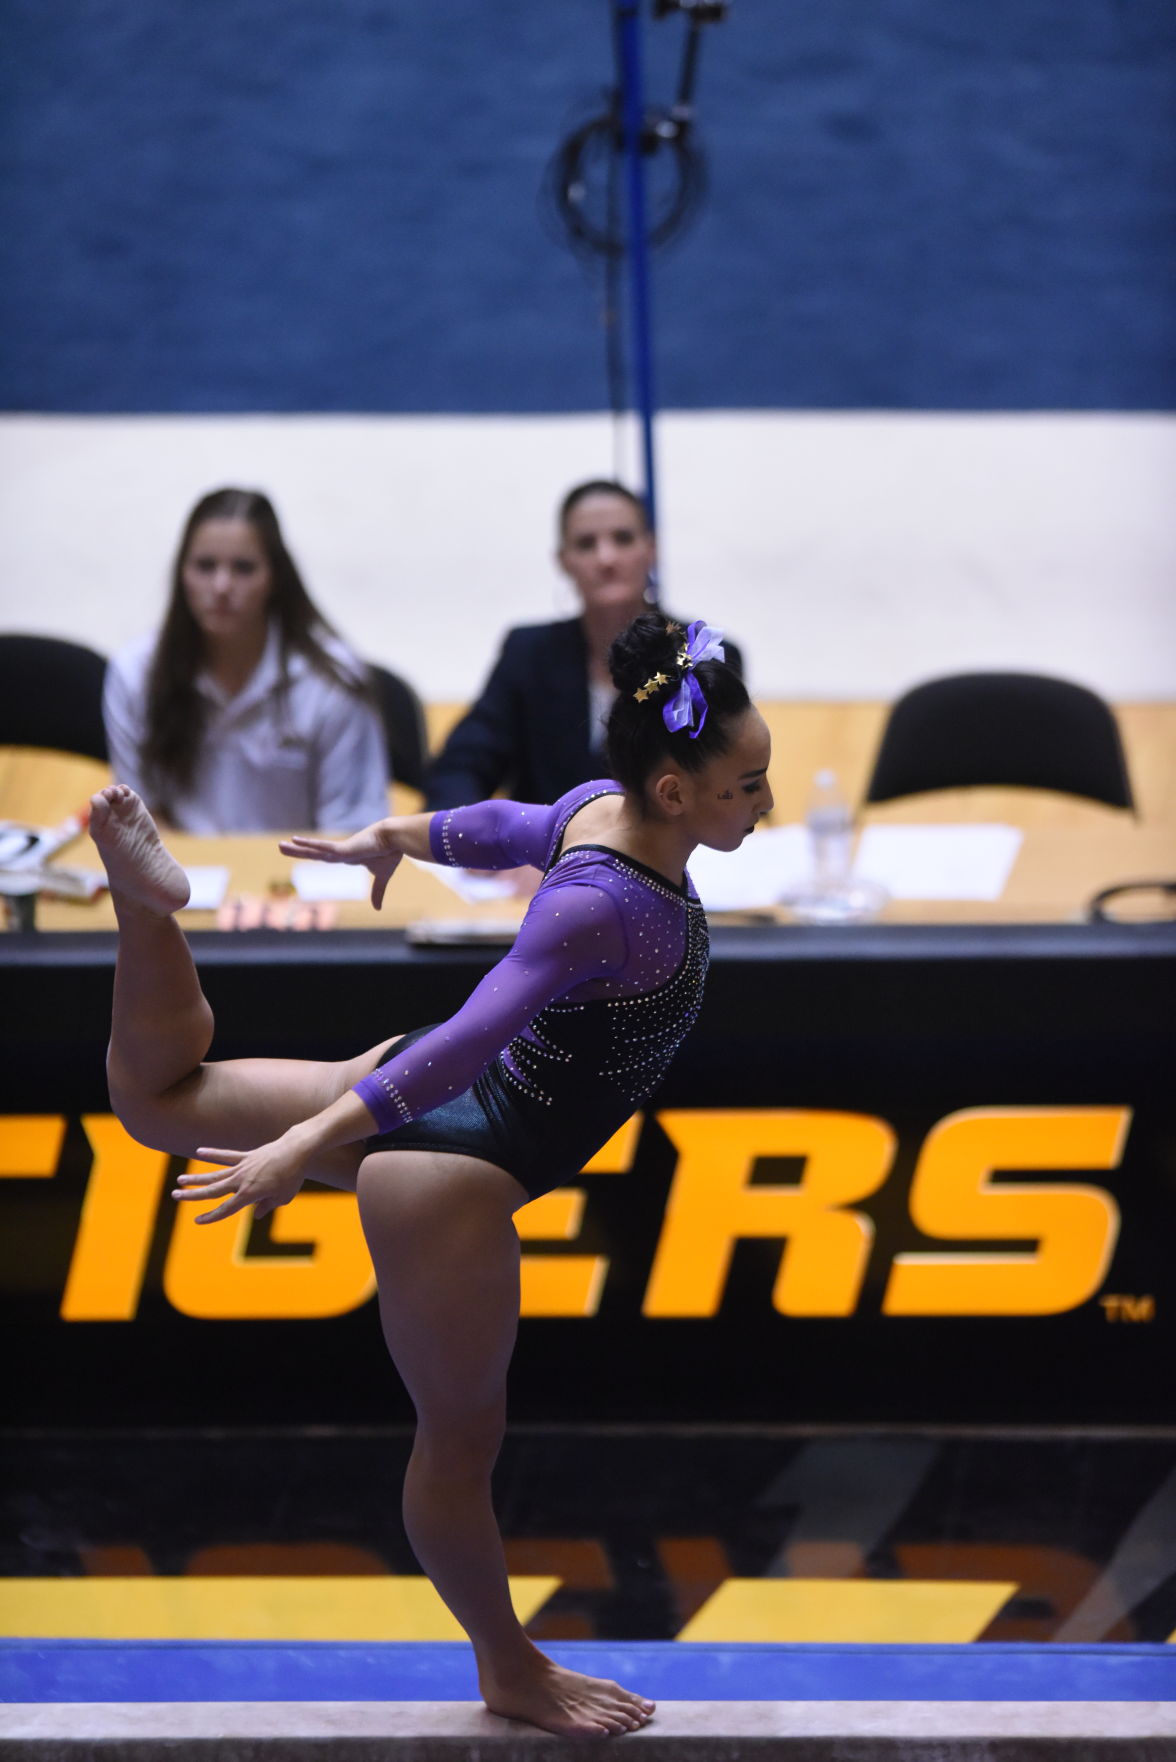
[[486, 835], [571, 933]]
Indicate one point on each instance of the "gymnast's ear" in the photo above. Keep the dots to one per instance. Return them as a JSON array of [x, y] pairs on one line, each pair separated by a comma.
[[667, 794]]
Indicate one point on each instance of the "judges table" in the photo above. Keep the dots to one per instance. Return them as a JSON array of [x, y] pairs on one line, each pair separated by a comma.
[[921, 1169]]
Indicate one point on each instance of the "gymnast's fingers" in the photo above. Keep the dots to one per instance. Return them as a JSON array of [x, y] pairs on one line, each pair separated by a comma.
[[203, 1186], [323, 850], [234, 1202]]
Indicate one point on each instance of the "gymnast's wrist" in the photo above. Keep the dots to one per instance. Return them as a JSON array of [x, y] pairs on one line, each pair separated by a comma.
[[301, 1142]]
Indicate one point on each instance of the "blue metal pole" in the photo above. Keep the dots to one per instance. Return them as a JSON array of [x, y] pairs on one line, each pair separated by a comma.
[[629, 63]]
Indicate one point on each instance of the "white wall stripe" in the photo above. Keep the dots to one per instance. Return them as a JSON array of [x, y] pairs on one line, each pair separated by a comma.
[[850, 553]]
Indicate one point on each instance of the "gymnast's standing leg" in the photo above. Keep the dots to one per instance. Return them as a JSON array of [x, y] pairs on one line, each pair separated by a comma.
[[446, 1254]]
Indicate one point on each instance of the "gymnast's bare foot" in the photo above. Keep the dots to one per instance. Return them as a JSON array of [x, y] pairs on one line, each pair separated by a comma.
[[563, 1701], [137, 866]]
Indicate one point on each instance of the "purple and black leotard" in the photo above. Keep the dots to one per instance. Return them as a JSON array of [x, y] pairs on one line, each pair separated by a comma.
[[574, 1028]]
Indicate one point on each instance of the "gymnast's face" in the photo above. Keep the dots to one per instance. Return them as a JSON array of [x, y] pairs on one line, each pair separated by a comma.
[[725, 800], [227, 580], [607, 552]]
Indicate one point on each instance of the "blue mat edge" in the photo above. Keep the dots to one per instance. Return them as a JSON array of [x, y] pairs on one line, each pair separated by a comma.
[[33, 1670]]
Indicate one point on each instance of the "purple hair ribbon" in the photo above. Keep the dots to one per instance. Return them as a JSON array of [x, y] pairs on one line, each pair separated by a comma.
[[687, 708]]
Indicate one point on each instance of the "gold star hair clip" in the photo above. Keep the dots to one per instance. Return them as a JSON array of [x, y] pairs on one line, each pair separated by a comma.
[[650, 686]]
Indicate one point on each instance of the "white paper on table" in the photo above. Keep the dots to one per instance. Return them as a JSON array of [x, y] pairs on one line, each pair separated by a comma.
[[21, 847], [209, 883], [939, 862], [314, 882], [769, 862], [467, 886]]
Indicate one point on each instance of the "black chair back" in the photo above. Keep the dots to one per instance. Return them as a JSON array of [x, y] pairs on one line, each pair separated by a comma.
[[404, 726], [51, 695], [1023, 729]]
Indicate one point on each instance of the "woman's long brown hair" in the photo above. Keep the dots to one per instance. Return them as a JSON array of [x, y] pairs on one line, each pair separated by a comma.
[[176, 710]]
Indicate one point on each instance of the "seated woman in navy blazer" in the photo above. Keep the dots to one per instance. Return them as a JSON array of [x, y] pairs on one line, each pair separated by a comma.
[[538, 727]]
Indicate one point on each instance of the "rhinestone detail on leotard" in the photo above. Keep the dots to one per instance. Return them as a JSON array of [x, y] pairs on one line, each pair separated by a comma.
[[628, 1040], [450, 856], [394, 1095]]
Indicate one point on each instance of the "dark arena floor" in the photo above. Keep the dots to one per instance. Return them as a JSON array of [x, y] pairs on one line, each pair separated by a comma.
[[913, 1596], [727, 1534]]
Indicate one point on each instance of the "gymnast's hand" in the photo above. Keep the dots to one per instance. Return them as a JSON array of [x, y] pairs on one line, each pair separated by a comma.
[[264, 1178], [377, 847]]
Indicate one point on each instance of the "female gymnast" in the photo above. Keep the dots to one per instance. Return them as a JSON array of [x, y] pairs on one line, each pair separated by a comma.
[[446, 1131]]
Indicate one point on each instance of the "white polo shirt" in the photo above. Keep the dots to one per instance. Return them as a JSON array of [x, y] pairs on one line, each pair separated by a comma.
[[310, 758]]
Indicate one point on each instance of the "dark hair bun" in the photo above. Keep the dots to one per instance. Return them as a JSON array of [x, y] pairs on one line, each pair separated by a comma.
[[649, 645], [638, 739]]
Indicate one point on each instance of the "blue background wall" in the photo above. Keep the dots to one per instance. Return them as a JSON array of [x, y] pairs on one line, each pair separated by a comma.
[[332, 205]]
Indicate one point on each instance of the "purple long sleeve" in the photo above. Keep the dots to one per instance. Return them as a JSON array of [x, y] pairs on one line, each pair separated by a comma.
[[572, 934], [506, 834]]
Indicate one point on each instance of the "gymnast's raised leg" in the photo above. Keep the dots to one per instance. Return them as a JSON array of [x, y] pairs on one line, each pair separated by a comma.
[[160, 1087]]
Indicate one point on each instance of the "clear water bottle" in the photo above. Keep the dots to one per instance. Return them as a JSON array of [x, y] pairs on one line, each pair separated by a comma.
[[830, 829]]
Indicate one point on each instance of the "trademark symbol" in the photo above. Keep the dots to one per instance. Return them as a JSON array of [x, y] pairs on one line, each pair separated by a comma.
[[1129, 1309]]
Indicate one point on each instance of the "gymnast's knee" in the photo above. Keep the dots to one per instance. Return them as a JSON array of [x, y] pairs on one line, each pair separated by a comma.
[[460, 1445], [150, 1119]]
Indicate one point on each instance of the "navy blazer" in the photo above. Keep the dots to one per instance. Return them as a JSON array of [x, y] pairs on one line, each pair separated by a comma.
[[528, 733]]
